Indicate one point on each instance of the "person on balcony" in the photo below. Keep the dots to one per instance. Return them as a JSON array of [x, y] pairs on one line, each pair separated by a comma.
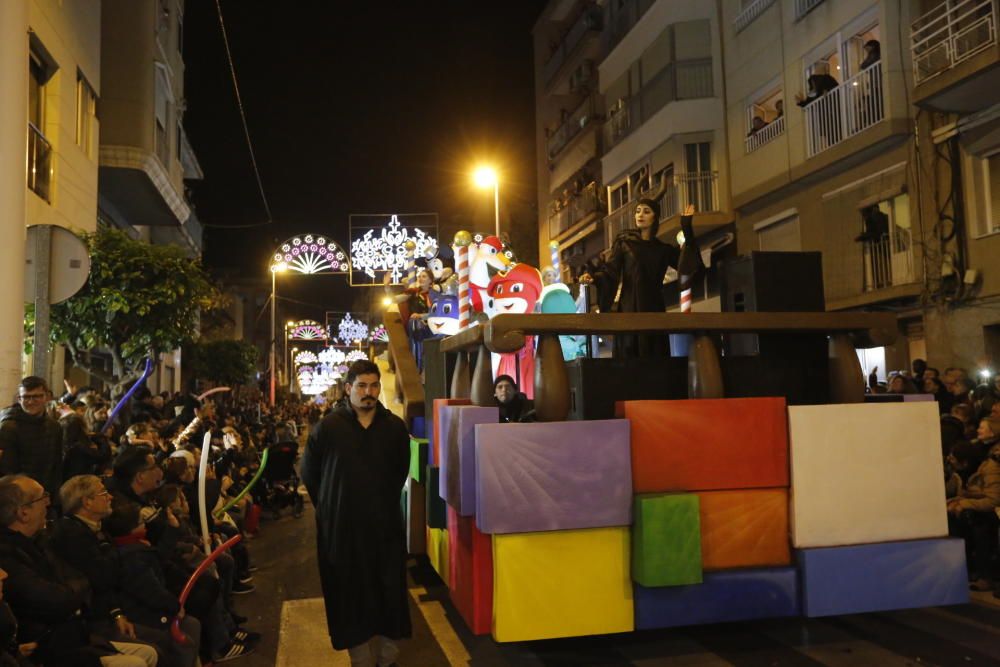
[[633, 267], [873, 53], [757, 125], [826, 125]]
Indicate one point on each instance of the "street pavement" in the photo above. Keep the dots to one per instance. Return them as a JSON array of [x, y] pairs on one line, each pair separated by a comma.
[[287, 608]]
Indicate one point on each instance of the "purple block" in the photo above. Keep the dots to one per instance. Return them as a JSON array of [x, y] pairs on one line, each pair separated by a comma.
[[553, 476], [460, 474], [918, 398]]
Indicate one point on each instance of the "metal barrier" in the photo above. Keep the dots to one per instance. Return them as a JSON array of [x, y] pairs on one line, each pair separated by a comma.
[[950, 33], [848, 109], [750, 13], [765, 135]]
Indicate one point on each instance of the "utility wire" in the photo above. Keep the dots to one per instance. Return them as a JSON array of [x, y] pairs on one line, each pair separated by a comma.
[[246, 129]]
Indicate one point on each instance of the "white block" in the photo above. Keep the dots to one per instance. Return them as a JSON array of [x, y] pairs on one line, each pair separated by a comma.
[[865, 473]]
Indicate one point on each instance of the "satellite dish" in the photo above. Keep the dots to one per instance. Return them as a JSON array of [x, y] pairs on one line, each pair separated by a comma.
[[69, 264]]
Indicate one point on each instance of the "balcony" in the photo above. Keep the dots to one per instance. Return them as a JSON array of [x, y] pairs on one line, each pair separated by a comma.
[[888, 261], [624, 15], [949, 34], [750, 13], [579, 207], [845, 111], [700, 188], [684, 80], [765, 135], [589, 21], [803, 7], [572, 126], [39, 163]]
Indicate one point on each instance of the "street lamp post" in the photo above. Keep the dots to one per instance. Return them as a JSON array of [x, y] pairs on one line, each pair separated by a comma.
[[275, 270], [485, 177]]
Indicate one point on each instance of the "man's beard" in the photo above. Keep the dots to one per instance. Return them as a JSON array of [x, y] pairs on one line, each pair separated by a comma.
[[366, 404]]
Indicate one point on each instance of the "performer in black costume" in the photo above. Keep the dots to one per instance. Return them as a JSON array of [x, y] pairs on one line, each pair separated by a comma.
[[637, 260]]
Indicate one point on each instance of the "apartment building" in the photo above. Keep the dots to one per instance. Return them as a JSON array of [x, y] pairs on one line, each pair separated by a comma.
[[956, 64], [821, 150], [145, 157], [629, 104]]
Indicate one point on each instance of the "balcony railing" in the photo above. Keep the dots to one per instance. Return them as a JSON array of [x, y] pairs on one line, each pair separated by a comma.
[[750, 13], [576, 209], [624, 15], [766, 134], [573, 125], [700, 188], [848, 109], [683, 80], [889, 260], [589, 21], [950, 33], [39, 163], [803, 7]]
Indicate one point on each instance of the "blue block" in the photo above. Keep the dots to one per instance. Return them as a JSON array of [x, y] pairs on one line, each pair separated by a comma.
[[418, 427], [722, 597], [878, 577]]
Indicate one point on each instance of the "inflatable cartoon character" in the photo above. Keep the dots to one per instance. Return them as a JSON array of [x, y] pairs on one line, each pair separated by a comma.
[[517, 291], [442, 319], [483, 257]]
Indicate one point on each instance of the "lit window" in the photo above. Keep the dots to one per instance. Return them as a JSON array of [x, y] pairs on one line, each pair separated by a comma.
[[86, 114]]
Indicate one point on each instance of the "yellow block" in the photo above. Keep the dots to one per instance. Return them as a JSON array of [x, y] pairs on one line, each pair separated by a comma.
[[437, 551], [564, 583]]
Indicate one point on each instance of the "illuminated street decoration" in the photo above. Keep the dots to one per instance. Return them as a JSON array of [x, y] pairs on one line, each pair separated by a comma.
[[332, 356], [311, 254], [306, 357], [356, 355], [377, 251], [306, 330], [350, 330], [380, 334]]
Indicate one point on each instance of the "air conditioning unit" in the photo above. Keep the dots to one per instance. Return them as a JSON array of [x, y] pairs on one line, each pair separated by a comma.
[[582, 76]]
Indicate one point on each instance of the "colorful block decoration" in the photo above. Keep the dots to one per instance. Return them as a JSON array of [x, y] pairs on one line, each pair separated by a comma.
[[470, 572], [745, 528], [418, 458], [564, 583], [666, 540]]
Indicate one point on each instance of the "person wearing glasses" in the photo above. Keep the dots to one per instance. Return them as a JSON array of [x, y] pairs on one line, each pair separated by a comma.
[[50, 612], [31, 440]]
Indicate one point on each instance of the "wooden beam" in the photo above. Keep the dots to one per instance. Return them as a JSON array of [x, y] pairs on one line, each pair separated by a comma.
[[407, 374]]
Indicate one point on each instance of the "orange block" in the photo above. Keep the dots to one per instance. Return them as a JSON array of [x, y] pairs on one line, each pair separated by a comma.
[[436, 426], [707, 444], [744, 529]]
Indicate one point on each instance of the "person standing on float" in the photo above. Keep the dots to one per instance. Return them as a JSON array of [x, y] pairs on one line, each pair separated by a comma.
[[354, 466], [634, 267]]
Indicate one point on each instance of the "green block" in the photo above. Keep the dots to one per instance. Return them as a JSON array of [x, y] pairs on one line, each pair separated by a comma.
[[418, 458], [666, 539], [437, 512]]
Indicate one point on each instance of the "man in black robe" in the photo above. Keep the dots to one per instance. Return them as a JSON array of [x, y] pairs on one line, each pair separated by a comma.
[[354, 466]]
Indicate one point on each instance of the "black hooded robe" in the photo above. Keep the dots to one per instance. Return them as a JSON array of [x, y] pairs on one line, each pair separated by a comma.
[[354, 477], [640, 266]]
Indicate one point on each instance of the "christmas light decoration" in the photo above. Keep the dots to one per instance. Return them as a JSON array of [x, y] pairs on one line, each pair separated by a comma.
[[332, 356], [379, 251], [350, 330], [306, 330], [306, 357], [356, 355], [380, 334], [311, 254]]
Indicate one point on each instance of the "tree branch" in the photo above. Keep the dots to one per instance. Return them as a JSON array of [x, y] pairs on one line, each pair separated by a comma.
[[78, 361]]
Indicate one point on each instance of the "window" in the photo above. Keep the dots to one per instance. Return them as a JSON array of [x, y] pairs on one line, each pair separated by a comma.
[[765, 117], [162, 112], [887, 242], [617, 196], [39, 168], [985, 192], [86, 114], [698, 157]]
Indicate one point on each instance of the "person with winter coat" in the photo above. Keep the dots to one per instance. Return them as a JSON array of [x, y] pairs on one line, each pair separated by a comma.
[[972, 516], [31, 442]]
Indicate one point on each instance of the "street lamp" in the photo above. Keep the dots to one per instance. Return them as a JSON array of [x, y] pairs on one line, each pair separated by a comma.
[[486, 177], [276, 268]]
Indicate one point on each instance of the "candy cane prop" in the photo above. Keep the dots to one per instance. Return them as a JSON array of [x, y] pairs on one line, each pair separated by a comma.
[[208, 393], [246, 489], [461, 247], [206, 444], [411, 262], [175, 627], [122, 403], [554, 258]]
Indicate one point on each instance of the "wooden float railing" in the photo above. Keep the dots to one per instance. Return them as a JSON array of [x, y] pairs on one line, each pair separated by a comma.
[[506, 333], [409, 386]]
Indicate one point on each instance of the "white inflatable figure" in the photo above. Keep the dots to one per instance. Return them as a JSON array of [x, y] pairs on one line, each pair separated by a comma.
[[482, 257]]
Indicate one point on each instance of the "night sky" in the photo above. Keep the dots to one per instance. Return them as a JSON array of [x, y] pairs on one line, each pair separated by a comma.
[[367, 107]]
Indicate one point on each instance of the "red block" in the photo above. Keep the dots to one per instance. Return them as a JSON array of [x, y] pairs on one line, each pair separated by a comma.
[[436, 444], [470, 572], [707, 444]]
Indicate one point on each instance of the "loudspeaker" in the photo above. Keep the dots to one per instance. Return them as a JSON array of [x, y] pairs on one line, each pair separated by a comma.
[[595, 384], [773, 282]]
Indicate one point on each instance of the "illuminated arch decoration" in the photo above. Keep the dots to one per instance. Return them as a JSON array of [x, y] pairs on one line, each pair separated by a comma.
[[306, 357], [332, 356], [311, 254], [356, 355], [351, 331], [306, 330], [378, 247], [380, 334]]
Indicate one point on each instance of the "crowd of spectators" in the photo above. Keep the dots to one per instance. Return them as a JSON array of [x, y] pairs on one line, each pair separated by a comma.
[[100, 527]]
